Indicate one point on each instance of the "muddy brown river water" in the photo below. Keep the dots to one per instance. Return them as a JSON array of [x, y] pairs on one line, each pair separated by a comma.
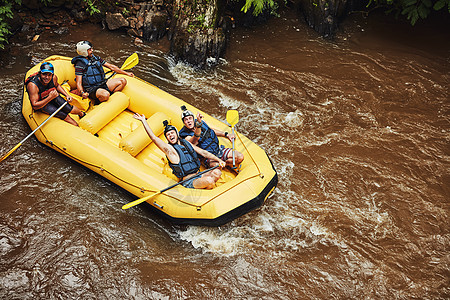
[[357, 128]]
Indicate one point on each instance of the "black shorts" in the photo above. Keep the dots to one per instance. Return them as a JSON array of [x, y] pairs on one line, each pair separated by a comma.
[[56, 103], [92, 93]]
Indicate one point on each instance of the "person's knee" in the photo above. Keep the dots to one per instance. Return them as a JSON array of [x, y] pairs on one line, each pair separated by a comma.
[[102, 95], [239, 157], [121, 84], [209, 182], [216, 173]]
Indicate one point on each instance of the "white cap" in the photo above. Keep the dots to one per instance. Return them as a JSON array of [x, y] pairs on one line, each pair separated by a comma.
[[83, 47]]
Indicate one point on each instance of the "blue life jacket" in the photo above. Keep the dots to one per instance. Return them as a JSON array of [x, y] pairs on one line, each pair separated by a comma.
[[34, 78], [208, 139], [93, 73], [189, 162]]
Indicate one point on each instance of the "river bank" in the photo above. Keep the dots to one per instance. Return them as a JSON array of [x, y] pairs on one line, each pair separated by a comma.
[[197, 34]]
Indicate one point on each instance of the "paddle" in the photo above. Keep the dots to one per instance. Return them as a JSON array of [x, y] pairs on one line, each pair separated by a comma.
[[21, 142], [232, 119], [130, 62], [143, 199]]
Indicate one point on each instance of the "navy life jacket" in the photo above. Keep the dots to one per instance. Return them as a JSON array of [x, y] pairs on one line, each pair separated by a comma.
[[189, 162], [93, 73], [43, 89], [208, 140]]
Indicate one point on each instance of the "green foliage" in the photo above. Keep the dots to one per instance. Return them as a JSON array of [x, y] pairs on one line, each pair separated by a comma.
[[412, 9], [5, 15], [259, 6], [91, 8]]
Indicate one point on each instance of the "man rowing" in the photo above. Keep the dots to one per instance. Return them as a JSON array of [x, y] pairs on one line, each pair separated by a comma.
[[44, 92]]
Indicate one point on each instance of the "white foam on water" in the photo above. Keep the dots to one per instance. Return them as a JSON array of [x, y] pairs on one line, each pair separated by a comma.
[[215, 240], [229, 102]]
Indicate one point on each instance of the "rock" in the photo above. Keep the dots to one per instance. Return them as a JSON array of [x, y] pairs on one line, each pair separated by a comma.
[[134, 32], [324, 15], [56, 3], [31, 4], [61, 30], [200, 48], [132, 21], [140, 22], [115, 21], [79, 16], [47, 11], [195, 36], [155, 25]]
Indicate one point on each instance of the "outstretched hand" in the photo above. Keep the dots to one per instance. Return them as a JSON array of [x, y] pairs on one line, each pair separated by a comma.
[[139, 117]]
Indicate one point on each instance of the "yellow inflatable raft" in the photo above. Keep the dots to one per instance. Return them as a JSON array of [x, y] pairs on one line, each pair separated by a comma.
[[112, 143]]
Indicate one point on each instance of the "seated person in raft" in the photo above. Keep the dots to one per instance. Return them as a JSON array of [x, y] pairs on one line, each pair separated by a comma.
[[182, 157], [90, 76], [43, 90], [200, 134]]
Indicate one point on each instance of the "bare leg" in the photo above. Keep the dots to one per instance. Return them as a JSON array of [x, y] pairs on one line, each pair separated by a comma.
[[77, 111], [102, 95], [116, 84], [238, 158], [208, 180], [68, 119]]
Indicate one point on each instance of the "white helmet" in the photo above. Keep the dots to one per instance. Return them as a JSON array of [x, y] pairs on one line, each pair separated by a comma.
[[83, 47], [185, 112]]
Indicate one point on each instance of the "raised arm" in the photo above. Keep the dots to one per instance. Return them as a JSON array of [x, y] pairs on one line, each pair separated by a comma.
[[169, 151]]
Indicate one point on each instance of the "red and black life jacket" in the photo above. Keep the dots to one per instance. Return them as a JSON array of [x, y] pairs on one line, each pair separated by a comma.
[[44, 90]]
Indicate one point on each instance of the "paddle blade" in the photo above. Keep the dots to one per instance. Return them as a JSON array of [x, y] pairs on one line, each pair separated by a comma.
[[139, 201], [10, 151], [232, 117], [130, 61]]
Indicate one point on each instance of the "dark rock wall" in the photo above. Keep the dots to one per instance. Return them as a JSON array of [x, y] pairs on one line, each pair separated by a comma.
[[197, 35], [324, 15], [197, 29]]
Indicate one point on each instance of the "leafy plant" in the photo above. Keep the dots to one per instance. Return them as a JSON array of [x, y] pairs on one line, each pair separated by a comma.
[[259, 6], [91, 7], [6, 14], [412, 9]]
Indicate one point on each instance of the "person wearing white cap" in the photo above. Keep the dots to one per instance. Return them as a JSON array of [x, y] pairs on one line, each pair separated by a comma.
[[90, 76]]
